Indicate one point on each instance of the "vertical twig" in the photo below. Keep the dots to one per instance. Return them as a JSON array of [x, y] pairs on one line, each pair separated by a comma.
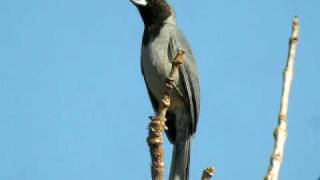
[[280, 133], [208, 173], [157, 124]]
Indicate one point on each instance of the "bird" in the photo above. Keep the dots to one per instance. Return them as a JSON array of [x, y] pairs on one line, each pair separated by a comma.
[[160, 43]]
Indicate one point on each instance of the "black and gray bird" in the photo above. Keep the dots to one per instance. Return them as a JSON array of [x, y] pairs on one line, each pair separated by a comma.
[[161, 40]]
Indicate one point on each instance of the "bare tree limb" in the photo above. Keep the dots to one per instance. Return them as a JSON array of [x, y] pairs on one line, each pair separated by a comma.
[[157, 124], [208, 173], [280, 133]]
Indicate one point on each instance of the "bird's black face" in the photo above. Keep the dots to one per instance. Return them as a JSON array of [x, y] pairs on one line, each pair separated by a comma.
[[153, 12]]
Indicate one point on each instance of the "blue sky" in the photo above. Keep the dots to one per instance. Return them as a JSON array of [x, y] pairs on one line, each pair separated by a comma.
[[73, 104]]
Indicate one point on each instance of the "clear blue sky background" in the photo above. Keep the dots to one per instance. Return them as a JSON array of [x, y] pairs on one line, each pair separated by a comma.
[[73, 104]]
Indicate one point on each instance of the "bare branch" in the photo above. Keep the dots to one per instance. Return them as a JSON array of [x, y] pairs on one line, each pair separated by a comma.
[[280, 133], [208, 173], [157, 124]]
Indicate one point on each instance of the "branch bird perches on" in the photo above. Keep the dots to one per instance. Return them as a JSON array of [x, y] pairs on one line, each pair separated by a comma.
[[280, 132], [157, 124]]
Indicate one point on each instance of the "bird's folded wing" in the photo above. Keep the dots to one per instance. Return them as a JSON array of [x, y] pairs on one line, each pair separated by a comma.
[[188, 74]]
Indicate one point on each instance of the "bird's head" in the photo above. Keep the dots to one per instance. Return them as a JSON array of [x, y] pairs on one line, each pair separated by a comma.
[[153, 12]]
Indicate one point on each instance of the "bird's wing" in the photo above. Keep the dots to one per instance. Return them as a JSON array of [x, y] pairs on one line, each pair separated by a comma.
[[188, 74]]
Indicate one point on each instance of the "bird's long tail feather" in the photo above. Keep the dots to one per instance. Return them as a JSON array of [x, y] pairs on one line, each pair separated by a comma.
[[180, 160]]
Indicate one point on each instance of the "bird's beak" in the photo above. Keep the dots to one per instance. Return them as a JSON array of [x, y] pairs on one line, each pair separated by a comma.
[[139, 2]]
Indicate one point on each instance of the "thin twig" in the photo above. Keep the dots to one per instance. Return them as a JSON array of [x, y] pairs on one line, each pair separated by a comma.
[[280, 133], [208, 173], [157, 124]]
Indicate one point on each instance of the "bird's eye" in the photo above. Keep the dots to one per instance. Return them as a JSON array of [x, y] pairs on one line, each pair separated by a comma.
[[155, 1]]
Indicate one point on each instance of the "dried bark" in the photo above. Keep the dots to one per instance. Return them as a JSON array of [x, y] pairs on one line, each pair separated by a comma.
[[157, 124]]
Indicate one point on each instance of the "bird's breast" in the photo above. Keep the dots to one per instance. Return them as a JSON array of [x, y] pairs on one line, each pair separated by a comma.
[[156, 65]]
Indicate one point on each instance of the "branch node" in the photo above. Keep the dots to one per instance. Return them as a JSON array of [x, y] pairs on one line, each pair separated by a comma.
[[208, 173]]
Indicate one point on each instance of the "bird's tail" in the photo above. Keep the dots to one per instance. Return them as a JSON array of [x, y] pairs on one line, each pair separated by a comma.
[[180, 160]]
